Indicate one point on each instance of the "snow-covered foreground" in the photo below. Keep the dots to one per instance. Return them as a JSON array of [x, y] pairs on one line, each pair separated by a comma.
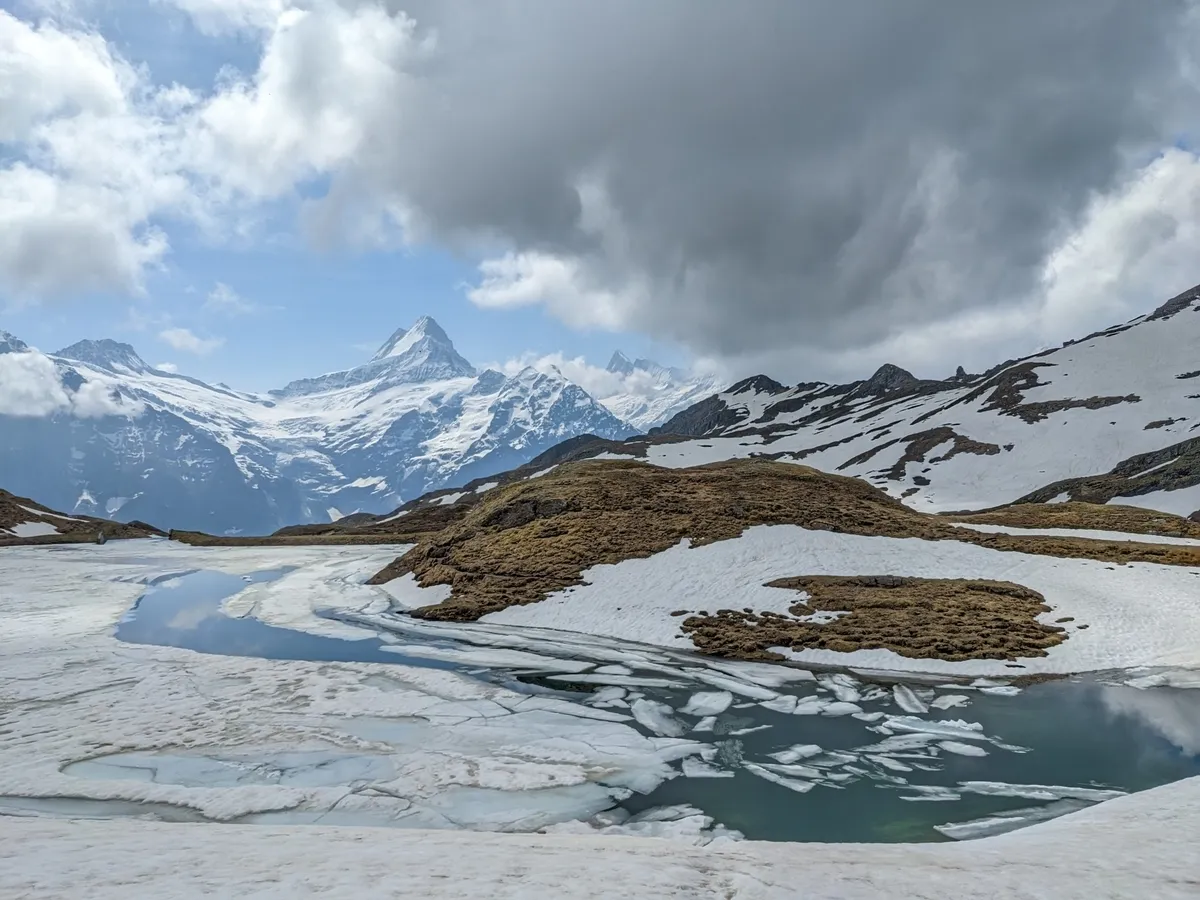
[[94, 728], [1142, 846], [100, 722]]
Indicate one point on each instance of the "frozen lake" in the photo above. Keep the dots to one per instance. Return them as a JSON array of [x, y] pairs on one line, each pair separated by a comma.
[[788, 754]]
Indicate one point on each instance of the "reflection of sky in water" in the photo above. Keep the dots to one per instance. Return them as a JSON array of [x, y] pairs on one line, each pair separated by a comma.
[[1174, 714], [185, 611], [1081, 733]]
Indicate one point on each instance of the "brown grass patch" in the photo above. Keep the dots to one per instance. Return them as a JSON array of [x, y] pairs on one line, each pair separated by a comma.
[[73, 529], [200, 539], [921, 618], [1094, 516], [531, 538]]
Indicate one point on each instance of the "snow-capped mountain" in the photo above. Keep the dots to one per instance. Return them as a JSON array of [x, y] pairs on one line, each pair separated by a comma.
[[178, 452], [652, 393], [1112, 417]]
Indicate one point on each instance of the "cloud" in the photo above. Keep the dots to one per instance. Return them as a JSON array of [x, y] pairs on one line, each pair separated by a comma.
[[186, 341], [526, 279], [167, 367], [597, 381], [30, 385], [800, 182], [225, 300], [96, 160], [220, 17], [806, 187]]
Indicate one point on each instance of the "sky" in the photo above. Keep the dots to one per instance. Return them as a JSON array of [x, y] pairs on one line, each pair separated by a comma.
[[253, 191]]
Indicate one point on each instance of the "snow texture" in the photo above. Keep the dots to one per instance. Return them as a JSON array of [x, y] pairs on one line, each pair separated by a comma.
[[1137, 615]]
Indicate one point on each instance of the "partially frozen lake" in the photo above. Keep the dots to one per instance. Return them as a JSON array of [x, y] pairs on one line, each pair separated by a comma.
[[783, 753]]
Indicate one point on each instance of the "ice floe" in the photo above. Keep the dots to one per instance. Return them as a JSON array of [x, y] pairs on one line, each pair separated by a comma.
[[707, 703], [907, 700]]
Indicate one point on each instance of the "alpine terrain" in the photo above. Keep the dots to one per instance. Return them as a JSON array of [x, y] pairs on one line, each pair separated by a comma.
[[129, 441], [1113, 417]]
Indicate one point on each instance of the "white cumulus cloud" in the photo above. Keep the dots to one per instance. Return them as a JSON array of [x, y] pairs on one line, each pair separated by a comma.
[[30, 385], [186, 341]]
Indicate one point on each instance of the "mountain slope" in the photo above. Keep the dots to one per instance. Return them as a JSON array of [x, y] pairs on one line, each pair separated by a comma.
[[173, 450], [1113, 417], [653, 393], [25, 521]]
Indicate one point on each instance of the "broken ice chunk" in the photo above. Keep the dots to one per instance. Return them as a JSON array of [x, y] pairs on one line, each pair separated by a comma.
[[809, 706], [868, 717], [708, 703], [841, 686], [888, 763], [607, 695], [698, 768], [784, 703], [705, 724], [950, 701], [962, 749], [949, 728], [797, 752], [1003, 690], [725, 683], [762, 674], [656, 717], [1038, 791], [930, 792], [907, 700], [796, 770], [1010, 820], [792, 784], [840, 709]]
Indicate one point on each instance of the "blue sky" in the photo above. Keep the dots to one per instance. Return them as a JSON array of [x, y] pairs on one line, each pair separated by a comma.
[[313, 312], [304, 310]]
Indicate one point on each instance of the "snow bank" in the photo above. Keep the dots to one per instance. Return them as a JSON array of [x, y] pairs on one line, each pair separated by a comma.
[[1137, 846], [1137, 615]]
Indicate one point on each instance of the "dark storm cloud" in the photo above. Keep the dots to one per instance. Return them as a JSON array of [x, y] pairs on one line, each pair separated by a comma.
[[783, 173]]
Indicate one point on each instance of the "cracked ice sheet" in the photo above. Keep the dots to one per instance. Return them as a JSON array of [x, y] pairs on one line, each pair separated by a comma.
[[443, 750], [1137, 615]]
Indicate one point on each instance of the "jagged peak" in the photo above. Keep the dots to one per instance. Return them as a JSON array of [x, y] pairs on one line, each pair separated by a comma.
[[106, 354], [889, 378], [10, 343], [759, 384], [404, 339], [620, 364]]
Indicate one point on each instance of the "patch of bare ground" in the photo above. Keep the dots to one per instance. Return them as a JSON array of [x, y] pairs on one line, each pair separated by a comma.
[[920, 444], [1097, 516], [921, 618], [1167, 469], [1007, 396], [201, 539], [73, 529], [523, 541]]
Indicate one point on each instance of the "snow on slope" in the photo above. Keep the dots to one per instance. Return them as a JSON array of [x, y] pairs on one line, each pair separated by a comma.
[[1125, 399], [415, 417], [652, 393], [1136, 615]]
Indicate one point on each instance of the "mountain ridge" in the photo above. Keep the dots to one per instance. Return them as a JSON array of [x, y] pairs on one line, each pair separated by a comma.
[[413, 417]]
